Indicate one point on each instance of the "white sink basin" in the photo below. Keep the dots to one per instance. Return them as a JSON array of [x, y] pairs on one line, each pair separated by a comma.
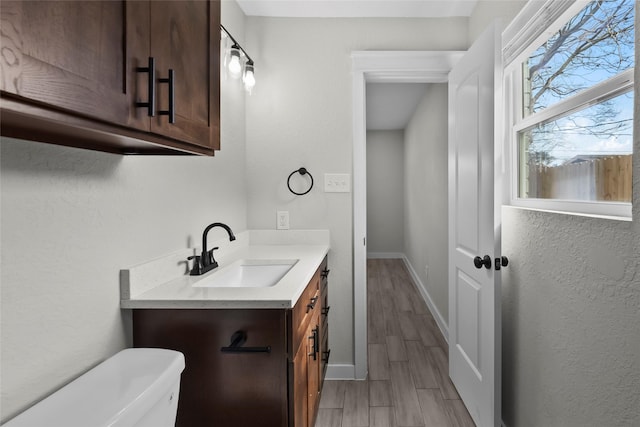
[[248, 273]]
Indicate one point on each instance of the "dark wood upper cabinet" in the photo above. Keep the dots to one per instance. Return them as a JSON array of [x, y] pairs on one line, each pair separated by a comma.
[[70, 74], [182, 33], [68, 55]]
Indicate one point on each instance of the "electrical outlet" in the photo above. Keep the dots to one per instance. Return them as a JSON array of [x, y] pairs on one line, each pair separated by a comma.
[[337, 183], [282, 222]]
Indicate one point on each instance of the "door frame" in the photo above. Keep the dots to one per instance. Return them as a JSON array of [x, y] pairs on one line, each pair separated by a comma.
[[379, 67]]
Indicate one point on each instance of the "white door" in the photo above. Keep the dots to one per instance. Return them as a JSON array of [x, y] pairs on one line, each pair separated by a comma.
[[475, 84]]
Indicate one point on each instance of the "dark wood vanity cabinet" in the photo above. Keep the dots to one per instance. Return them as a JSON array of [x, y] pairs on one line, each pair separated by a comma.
[[71, 74], [270, 376]]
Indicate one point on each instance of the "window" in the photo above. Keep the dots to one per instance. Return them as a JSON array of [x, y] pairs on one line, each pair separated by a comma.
[[573, 120]]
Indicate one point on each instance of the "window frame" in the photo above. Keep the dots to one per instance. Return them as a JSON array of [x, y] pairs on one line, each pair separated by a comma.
[[517, 46]]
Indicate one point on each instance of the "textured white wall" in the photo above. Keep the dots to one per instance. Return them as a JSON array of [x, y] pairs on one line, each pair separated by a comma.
[[385, 191], [300, 114], [426, 139], [71, 219], [571, 310], [571, 315]]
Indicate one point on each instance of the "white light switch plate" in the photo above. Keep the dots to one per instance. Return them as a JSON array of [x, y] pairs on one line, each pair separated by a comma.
[[337, 183]]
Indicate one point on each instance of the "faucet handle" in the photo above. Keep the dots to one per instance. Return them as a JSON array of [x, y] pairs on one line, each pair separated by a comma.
[[195, 271], [212, 260]]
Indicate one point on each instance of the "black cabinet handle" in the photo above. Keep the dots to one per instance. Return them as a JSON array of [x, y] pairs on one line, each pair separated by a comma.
[[237, 340], [325, 310], [326, 355], [480, 262], [312, 304], [325, 273], [171, 112], [150, 105], [316, 346]]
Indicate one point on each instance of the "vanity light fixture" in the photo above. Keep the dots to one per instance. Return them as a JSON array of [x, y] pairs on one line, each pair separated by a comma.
[[249, 79], [234, 63], [235, 67]]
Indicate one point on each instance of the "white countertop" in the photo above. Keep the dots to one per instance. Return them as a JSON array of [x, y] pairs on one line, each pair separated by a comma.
[[179, 292]]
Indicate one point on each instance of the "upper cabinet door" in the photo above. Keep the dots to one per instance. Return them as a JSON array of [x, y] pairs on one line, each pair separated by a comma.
[[140, 84], [185, 38], [69, 55]]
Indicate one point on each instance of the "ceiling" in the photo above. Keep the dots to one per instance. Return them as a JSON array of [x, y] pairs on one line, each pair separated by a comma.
[[358, 8], [390, 106]]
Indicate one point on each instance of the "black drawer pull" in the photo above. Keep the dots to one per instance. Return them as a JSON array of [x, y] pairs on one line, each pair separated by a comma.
[[312, 304], [325, 310], [237, 340], [150, 105], [325, 273], [325, 356]]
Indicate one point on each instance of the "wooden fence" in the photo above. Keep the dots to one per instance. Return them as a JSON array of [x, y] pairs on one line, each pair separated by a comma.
[[605, 179]]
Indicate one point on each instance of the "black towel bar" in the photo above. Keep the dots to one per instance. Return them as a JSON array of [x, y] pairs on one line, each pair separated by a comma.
[[266, 349], [237, 339]]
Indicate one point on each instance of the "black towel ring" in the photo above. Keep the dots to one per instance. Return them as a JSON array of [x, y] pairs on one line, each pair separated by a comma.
[[301, 171]]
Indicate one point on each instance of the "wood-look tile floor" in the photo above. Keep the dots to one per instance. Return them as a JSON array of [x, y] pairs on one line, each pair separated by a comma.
[[408, 383]]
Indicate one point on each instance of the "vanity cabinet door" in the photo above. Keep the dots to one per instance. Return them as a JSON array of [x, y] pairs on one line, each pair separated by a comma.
[[69, 56], [306, 377], [223, 388], [300, 402], [313, 371]]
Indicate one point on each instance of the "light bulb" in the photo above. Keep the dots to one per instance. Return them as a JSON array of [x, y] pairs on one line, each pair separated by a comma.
[[235, 67], [249, 78]]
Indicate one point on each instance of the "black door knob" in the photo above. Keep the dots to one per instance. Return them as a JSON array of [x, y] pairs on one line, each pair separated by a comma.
[[480, 262]]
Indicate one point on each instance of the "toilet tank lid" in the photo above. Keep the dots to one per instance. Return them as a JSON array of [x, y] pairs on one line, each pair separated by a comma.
[[122, 387]]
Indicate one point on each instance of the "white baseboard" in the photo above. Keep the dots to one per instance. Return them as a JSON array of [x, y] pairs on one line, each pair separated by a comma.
[[442, 323], [341, 372], [378, 255]]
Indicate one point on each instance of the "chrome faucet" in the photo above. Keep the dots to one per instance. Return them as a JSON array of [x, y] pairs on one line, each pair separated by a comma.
[[206, 262]]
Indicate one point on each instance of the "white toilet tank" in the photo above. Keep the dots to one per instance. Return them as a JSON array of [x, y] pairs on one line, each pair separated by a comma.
[[136, 387]]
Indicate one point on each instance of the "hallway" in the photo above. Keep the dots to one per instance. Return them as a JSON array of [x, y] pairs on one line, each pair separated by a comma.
[[408, 384]]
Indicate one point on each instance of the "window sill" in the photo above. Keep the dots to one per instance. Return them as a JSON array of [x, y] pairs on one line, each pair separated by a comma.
[[608, 211]]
